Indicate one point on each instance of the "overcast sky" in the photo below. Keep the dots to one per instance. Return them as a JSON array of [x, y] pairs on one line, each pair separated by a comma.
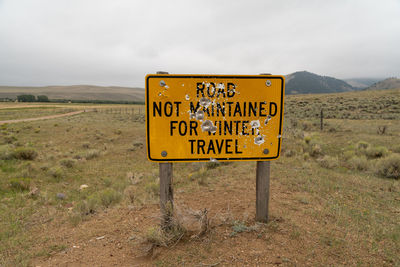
[[118, 42]]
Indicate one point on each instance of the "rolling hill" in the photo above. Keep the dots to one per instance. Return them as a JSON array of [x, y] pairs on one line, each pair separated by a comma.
[[301, 82], [390, 83], [361, 83], [77, 92], [304, 82]]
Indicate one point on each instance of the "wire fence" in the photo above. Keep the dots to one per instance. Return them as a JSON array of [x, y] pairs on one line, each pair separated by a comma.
[[129, 111]]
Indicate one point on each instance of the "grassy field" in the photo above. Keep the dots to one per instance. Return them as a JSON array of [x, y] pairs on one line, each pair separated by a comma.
[[79, 190], [77, 92], [30, 112]]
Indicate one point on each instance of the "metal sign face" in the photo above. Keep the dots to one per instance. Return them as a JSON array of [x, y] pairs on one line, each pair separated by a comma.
[[214, 117]]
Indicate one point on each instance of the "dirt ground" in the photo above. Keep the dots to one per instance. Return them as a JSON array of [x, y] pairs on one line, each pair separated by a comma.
[[44, 117], [291, 238]]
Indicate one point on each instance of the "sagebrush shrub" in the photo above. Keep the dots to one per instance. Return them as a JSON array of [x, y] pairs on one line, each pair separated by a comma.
[[359, 163], [376, 152], [328, 162], [389, 167], [25, 153]]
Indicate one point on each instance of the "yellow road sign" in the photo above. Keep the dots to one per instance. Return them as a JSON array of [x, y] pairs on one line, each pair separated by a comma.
[[214, 117]]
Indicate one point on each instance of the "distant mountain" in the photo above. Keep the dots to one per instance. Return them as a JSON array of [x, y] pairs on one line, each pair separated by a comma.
[[390, 83], [77, 92], [304, 82], [361, 83]]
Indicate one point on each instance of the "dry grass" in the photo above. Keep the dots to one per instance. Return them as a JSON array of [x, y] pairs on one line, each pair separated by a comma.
[[329, 197], [184, 223]]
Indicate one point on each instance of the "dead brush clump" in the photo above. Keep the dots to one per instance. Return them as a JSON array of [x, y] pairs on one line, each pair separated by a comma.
[[389, 167], [184, 224], [328, 162]]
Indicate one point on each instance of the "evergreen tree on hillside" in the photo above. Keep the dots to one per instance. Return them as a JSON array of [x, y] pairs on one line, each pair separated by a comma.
[[42, 98], [26, 98]]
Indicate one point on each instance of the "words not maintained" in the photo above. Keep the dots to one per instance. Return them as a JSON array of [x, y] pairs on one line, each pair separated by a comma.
[[195, 117]]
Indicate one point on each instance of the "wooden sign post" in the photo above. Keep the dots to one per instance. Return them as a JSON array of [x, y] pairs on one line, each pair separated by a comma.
[[166, 188], [262, 190], [214, 118]]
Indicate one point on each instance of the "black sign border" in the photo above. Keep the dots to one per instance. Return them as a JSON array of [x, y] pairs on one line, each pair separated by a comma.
[[148, 77]]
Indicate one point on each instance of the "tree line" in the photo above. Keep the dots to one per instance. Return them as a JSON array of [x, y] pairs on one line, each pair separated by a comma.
[[32, 98], [44, 98]]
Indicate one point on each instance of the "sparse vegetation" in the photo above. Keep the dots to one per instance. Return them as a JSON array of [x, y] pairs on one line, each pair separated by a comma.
[[336, 181]]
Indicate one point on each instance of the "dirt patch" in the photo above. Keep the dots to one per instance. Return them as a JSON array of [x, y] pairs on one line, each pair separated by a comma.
[[44, 117], [292, 237]]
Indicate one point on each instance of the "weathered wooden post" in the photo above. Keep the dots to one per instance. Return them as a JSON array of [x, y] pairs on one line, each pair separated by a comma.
[[166, 194], [322, 119], [262, 187], [262, 190], [166, 188]]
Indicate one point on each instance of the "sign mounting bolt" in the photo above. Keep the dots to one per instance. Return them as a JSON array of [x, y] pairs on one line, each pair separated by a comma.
[[266, 151], [164, 153], [268, 83], [162, 83]]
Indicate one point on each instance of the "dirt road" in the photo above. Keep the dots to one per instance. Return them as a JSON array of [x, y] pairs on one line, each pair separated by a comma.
[[44, 117]]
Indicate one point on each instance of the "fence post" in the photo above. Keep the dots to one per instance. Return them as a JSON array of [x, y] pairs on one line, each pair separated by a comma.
[[322, 119], [166, 189]]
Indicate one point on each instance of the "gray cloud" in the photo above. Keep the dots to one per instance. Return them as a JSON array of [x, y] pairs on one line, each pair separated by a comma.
[[102, 42]]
